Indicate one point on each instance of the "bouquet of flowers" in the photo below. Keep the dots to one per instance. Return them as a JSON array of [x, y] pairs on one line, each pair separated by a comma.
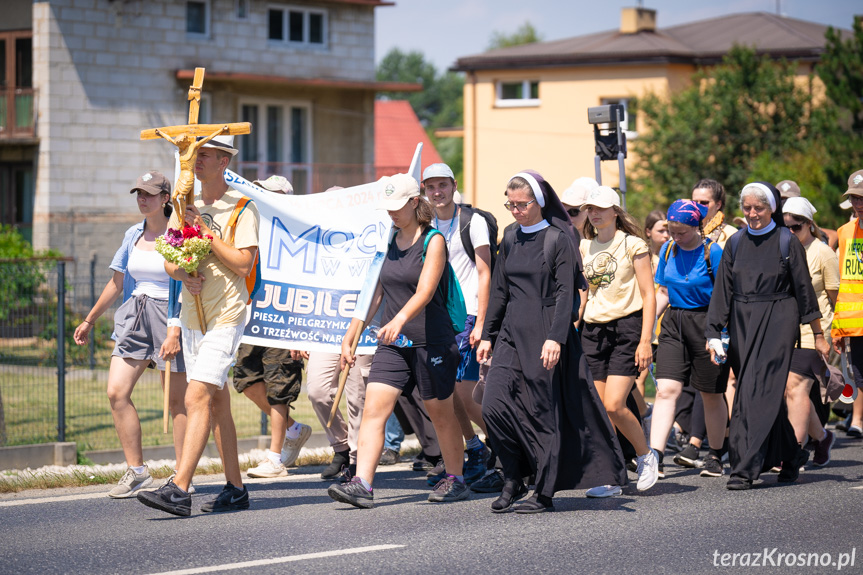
[[185, 248]]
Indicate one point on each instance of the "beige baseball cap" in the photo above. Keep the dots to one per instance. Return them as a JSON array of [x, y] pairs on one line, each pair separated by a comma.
[[153, 182], [788, 189], [855, 184], [397, 189], [602, 197], [578, 190]]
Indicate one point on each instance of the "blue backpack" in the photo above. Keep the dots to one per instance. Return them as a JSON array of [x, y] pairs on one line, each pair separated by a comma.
[[453, 298]]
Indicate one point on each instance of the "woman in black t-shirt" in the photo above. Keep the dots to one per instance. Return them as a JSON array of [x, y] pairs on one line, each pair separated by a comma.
[[415, 307]]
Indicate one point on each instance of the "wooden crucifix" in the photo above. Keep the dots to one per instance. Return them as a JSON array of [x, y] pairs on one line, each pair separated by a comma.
[[186, 138]]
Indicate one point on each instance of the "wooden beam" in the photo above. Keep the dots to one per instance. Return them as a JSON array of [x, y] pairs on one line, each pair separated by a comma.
[[234, 129]]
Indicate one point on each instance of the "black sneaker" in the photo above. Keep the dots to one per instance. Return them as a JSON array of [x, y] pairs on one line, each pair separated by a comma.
[[422, 462], [340, 459], [449, 489], [712, 467], [492, 482], [436, 474], [687, 456], [347, 474], [168, 498], [352, 493], [476, 464], [389, 457], [823, 448], [790, 471], [230, 499]]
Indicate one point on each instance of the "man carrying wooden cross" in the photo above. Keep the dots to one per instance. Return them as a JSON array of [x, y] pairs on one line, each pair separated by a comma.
[[222, 288]]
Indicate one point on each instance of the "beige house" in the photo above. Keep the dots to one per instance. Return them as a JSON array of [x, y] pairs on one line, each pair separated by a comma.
[[81, 79], [526, 106]]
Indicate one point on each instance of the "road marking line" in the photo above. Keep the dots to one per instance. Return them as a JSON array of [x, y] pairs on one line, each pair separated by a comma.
[[277, 560]]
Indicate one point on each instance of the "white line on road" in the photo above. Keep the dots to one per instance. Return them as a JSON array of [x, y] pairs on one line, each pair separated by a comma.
[[277, 560]]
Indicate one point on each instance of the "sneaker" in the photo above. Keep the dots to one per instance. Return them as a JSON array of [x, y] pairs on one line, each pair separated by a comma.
[[604, 491], [475, 466], [822, 449], [449, 489], [168, 498], [687, 456], [436, 474], [648, 471], [854, 432], [230, 499], [677, 440], [267, 468], [291, 447], [352, 493], [389, 457], [491, 482], [845, 423], [738, 484], [130, 483], [660, 471], [347, 474], [191, 490], [790, 471], [422, 462], [340, 459], [712, 467]]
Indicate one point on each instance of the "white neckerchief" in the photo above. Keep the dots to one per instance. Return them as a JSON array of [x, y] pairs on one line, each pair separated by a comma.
[[541, 225], [768, 228]]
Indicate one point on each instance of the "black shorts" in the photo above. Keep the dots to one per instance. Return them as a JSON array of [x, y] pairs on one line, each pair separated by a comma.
[[431, 369], [610, 347], [274, 367], [856, 360], [806, 363], [682, 354]]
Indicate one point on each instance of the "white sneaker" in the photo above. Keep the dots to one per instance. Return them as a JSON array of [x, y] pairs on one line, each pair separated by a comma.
[[191, 490], [130, 483], [267, 469], [604, 491], [291, 447], [648, 470]]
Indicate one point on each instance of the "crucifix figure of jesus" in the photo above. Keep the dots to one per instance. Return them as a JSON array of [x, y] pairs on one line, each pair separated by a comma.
[[186, 138]]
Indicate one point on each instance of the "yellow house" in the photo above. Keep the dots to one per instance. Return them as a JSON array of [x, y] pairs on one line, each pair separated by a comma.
[[526, 106]]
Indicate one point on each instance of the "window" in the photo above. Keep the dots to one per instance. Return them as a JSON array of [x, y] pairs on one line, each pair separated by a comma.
[[282, 147], [198, 17], [629, 118], [16, 85], [514, 94], [242, 9], [298, 26]]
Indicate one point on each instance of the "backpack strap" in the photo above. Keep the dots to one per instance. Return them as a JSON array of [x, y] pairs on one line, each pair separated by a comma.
[[235, 215], [668, 247], [733, 242], [548, 245], [508, 240], [706, 243], [465, 214], [432, 232]]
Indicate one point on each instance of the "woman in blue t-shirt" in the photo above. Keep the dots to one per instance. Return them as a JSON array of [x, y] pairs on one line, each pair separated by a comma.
[[685, 273]]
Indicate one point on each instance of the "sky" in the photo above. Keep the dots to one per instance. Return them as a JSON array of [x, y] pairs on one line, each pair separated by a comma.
[[445, 30]]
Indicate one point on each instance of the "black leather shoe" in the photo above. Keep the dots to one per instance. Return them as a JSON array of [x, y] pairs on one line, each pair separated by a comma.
[[513, 490], [534, 504], [738, 484], [791, 470]]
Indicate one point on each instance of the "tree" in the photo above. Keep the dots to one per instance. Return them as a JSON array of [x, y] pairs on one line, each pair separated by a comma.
[[742, 109], [841, 70], [526, 34]]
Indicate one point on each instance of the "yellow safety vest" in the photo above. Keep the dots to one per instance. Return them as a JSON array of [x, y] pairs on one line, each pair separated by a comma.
[[848, 319]]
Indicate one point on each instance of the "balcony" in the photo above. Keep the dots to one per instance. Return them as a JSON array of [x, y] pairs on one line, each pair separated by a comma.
[[308, 178], [17, 113]]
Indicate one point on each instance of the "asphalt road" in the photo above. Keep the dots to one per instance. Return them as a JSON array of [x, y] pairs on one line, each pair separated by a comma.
[[685, 524]]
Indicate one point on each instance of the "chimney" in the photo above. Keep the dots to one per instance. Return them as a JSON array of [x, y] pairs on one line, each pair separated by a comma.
[[635, 20]]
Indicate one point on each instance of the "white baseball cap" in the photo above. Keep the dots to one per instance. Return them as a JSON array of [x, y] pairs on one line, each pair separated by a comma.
[[577, 192], [398, 189], [438, 171], [224, 143], [602, 197]]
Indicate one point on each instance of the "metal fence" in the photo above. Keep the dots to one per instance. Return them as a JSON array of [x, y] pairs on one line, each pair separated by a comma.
[[58, 393]]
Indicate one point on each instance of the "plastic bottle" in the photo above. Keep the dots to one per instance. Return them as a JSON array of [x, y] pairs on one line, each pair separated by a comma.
[[401, 340], [724, 337]]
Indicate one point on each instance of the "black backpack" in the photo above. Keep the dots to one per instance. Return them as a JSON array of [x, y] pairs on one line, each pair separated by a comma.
[[465, 214]]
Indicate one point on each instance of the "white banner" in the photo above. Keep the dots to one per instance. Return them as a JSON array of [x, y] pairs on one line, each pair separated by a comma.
[[318, 253]]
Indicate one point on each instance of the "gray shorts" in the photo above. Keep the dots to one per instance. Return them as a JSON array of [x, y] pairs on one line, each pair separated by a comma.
[[140, 327]]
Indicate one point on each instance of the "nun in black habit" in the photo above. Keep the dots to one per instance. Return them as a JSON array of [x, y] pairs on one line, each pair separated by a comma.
[[542, 410], [762, 296]]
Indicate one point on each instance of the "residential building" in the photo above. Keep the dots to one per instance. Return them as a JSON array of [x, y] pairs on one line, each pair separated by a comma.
[[82, 78], [526, 106], [397, 132]]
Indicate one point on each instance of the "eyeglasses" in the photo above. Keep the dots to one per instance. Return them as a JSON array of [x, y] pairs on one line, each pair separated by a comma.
[[795, 227], [520, 207], [573, 212]]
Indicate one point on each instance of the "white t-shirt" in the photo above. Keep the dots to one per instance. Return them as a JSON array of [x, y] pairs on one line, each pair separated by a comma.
[[464, 268], [148, 269]]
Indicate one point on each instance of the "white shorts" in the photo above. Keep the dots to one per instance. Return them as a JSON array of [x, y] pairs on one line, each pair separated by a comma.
[[210, 356]]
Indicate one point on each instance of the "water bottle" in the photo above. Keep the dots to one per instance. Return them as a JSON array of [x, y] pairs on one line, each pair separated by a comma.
[[724, 337], [401, 340]]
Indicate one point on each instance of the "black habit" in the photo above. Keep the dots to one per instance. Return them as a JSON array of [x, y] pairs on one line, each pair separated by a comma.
[[548, 423], [762, 300]]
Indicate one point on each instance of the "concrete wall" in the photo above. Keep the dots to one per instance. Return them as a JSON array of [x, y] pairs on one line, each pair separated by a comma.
[[106, 70]]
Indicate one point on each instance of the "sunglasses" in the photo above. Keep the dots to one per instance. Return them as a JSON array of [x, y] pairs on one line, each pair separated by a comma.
[[573, 212], [795, 227]]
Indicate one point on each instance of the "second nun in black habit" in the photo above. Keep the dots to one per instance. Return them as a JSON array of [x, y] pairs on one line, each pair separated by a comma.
[[540, 405], [762, 293]]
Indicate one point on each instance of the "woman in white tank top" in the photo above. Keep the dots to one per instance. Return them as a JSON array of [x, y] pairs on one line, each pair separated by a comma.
[[144, 336]]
